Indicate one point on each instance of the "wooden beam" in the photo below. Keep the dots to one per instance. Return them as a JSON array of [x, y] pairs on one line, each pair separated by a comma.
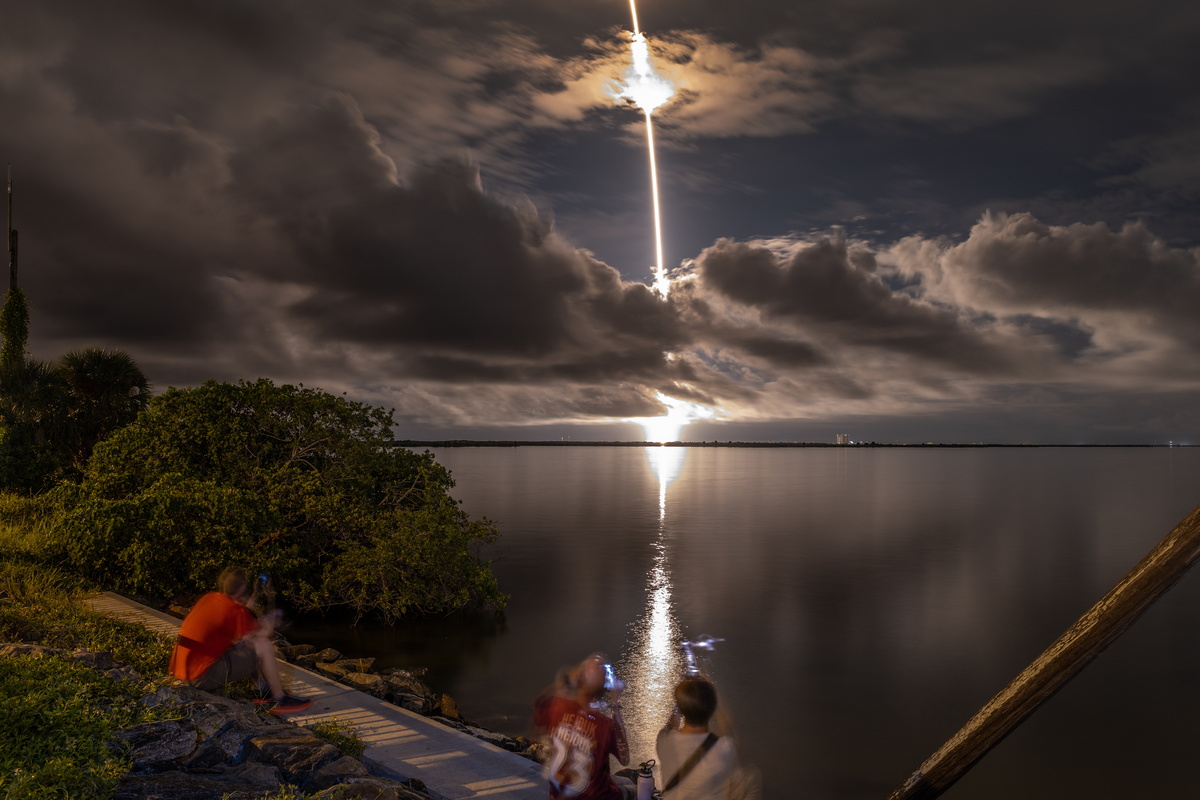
[[1074, 650]]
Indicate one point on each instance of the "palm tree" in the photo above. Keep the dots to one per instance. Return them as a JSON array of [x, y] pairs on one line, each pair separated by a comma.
[[105, 390], [33, 396], [32, 425]]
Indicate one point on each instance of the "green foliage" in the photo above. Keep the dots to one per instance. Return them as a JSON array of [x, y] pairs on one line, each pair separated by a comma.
[[341, 735], [28, 463], [53, 414], [286, 480], [105, 390], [14, 327], [56, 717], [42, 604]]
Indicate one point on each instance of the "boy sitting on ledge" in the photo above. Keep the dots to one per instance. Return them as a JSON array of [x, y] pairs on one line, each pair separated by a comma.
[[221, 641]]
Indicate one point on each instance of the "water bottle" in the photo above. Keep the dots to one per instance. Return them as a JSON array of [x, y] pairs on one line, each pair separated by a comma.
[[645, 782]]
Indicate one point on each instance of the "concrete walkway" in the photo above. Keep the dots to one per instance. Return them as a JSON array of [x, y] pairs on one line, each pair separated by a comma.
[[400, 744]]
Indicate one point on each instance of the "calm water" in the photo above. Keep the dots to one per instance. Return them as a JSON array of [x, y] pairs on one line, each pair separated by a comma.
[[870, 600]]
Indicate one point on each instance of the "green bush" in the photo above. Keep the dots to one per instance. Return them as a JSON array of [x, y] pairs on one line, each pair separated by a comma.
[[289, 481]]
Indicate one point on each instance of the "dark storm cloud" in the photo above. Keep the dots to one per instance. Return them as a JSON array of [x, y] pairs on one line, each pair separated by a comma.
[[333, 195], [831, 292]]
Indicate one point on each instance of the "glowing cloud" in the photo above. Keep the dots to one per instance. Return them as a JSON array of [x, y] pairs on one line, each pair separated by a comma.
[[643, 85], [679, 413]]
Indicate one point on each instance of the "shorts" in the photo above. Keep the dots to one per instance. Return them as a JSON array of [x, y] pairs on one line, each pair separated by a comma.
[[238, 663]]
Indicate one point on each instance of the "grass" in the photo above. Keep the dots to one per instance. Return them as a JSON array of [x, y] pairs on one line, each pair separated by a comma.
[[42, 604], [56, 715], [341, 735], [55, 719]]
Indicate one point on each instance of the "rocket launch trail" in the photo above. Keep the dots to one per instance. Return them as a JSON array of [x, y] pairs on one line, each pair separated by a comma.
[[648, 90]]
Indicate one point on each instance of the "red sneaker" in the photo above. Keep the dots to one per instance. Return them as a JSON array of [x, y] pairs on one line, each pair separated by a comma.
[[289, 704]]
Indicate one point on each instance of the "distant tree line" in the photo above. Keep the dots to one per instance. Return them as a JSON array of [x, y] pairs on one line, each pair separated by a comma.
[[153, 495]]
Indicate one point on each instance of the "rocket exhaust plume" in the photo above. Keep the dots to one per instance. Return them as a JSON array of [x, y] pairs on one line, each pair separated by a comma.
[[648, 90]]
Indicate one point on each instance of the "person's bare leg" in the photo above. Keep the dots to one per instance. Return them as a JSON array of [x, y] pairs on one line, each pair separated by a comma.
[[268, 665]]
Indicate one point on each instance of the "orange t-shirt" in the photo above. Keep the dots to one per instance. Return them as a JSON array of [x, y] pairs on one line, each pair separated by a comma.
[[209, 629]]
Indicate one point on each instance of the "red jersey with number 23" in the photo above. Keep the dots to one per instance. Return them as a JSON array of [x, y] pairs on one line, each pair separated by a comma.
[[580, 742]]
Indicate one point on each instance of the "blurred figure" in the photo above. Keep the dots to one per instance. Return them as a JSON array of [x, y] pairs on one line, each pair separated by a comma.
[[582, 736], [696, 763], [222, 642]]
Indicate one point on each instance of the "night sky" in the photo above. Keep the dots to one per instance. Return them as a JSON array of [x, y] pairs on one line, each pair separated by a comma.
[[917, 221]]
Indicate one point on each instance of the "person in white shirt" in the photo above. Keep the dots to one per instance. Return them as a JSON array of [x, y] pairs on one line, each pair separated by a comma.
[[687, 738]]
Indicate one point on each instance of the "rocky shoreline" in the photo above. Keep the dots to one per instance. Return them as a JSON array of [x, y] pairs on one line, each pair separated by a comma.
[[216, 747], [402, 688]]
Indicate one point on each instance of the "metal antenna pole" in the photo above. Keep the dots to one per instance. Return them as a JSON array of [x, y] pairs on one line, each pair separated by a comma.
[[12, 238]]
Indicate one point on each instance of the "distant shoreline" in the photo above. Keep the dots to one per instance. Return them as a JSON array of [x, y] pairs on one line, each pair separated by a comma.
[[565, 443]]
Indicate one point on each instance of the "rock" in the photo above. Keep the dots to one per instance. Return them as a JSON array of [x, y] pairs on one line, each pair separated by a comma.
[[328, 655], [331, 670], [334, 773], [305, 662], [356, 664], [369, 788], [406, 683], [417, 703], [181, 694], [404, 673], [232, 737], [365, 682], [100, 661], [298, 755], [448, 708], [537, 752], [33, 650], [178, 611], [124, 674], [208, 755], [450, 723], [234, 783], [491, 737], [298, 650], [415, 785], [158, 746], [209, 718]]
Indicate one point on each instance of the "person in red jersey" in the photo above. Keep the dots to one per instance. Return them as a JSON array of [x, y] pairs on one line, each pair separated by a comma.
[[582, 737], [221, 641]]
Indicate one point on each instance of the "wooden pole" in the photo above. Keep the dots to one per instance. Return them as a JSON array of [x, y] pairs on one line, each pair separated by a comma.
[[1073, 651]]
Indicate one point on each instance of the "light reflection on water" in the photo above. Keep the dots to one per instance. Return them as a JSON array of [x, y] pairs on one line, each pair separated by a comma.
[[653, 667], [871, 600]]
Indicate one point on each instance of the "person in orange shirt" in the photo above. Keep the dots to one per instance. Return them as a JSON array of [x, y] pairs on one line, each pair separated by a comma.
[[221, 641]]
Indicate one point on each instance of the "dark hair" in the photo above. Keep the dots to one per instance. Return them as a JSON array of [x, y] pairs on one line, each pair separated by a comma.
[[696, 699], [234, 581]]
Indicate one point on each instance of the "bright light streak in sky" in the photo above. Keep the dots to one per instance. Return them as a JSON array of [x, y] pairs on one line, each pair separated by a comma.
[[649, 90]]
